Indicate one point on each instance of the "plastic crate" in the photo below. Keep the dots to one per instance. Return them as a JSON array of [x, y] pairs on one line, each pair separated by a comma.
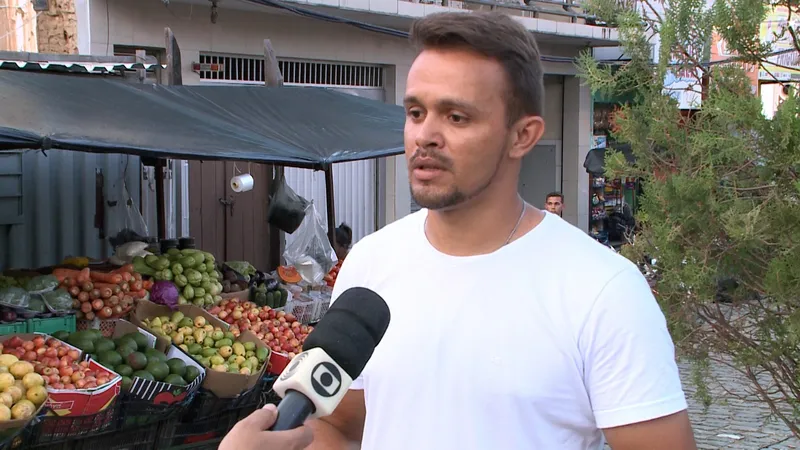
[[17, 327], [52, 324], [140, 438], [137, 413], [51, 430], [196, 434], [206, 404]]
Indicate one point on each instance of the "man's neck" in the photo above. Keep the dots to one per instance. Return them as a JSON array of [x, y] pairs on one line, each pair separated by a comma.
[[479, 227]]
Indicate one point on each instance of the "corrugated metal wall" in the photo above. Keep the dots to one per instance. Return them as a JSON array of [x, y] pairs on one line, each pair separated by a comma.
[[353, 194], [59, 204]]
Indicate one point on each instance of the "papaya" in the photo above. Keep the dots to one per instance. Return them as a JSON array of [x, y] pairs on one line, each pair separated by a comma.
[[288, 274]]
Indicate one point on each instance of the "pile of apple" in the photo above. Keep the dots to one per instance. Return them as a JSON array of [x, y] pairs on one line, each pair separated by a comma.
[[280, 331], [58, 363]]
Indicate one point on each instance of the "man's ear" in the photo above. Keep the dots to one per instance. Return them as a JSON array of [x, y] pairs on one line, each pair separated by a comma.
[[526, 132]]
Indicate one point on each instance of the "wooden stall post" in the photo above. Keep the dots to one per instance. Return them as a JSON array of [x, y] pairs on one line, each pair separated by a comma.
[[273, 78]]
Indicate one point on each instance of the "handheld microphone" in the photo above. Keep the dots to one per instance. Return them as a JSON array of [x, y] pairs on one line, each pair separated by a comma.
[[334, 355]]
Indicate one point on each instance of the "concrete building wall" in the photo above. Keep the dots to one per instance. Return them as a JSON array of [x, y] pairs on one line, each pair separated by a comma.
[[141, 23]]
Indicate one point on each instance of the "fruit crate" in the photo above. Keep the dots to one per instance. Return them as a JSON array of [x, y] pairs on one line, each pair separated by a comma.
[[206, 404], [196, 434], [52, 430], [139, 438], [18, 327], [13, 439], [136, 413], [52, 324]]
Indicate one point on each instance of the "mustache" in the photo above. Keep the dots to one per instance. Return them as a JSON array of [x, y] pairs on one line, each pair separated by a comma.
[[438, 158]]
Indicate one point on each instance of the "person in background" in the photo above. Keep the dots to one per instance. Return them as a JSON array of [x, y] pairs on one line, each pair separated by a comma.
[[344, 239], [554, 203]]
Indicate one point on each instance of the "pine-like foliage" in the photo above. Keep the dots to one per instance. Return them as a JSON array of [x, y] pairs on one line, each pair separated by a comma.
[[721, 205]]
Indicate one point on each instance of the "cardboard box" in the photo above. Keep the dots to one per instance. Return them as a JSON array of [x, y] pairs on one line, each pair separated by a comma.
[[221, 384], [19, 423], [229, 385], [159, 392], [83, 402], [240, 295], [146, 309]]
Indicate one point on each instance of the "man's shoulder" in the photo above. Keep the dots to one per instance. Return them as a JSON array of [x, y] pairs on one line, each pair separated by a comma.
[[393, 233]]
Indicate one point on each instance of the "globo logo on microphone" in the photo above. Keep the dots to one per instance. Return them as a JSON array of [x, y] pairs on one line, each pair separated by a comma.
[[326, 379]]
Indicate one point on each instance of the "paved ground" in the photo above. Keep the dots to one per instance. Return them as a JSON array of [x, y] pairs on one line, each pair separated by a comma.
[[732, 422]]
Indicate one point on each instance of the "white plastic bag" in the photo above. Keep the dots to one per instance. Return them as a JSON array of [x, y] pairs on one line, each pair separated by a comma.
[[311, 253]]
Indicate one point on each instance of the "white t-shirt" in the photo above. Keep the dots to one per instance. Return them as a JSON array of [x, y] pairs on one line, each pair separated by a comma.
[[538, 345]]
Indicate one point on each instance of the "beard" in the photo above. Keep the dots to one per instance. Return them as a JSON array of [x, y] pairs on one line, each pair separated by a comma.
[[436, 199]]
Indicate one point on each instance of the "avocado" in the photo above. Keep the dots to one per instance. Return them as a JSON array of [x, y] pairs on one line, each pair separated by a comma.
[[155, 355], [176, 366], [137, 361], [127, 341], [192, 372], [84, 344], [103, 345], [127, 382], [158, 369], [124, 370], [143, 375], [124, 351], [110, 359], [140, 339], [61, 335], [177, 380]]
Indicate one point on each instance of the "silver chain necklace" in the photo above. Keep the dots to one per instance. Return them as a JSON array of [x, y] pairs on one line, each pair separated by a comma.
[[508, 239]]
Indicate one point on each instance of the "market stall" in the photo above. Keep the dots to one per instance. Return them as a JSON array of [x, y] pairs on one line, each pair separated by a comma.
[[163, 345]]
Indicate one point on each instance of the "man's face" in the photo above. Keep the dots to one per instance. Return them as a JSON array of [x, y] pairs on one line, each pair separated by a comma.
[[554, 205], [456, 133]]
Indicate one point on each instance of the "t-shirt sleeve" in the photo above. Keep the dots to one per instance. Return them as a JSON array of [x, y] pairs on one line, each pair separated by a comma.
[[629, 357], [350, 275]]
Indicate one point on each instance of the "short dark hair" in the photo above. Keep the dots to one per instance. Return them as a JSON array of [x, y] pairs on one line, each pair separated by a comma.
[[494, 35], [344, 235], [555, 194]]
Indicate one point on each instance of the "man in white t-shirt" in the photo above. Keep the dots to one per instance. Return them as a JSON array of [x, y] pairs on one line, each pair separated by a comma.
[[510, 328]]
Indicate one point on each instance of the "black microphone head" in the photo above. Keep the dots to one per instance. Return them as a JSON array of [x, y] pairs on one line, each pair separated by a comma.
[[351, 329]]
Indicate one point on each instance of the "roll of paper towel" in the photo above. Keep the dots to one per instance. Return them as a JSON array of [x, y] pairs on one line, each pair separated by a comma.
[[242, 183]]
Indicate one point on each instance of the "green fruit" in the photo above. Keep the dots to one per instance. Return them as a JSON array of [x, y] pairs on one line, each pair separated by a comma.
[[233, 368], [195, 349], [186, 322], [158, 369], [188, 292], [103, 345], [199, 258], [192, 372], [262, 354], [223, 342], [84, 344], [188, 261], [176, 367], [229, 335], [127, 341], [137, 361], [205, 362], [208, 342], [61, 335], [209, 352], [173, 251], [217, 360], [124, 370], [155, 355], [143, 375], [249, 346], [126, 350], [217, 335], [140, 339], [199, 292], [177, 316], [110, 358], [126, 383], [176, 380]]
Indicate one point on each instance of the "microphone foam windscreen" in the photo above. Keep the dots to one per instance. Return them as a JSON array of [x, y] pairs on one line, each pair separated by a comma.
[[351, 329]]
